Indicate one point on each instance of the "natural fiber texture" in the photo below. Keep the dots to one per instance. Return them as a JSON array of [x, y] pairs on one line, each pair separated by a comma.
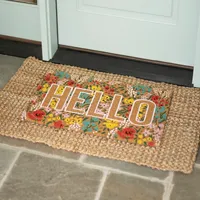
[[176, 152]]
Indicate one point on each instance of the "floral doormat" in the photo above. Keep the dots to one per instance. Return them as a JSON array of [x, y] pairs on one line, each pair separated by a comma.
[[132, 113], [101, 114]]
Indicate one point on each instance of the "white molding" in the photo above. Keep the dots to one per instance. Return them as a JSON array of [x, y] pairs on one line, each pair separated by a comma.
[[196, 74], [19, 20], [48, 25]]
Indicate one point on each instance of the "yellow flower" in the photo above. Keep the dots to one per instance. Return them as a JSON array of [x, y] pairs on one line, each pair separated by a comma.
[[78, 120], [50, 115], [44, 89], [105, 98], [53, 104], [140, 141], [67, 120], [58, 118], [96, 87], [46, 85], [130, 101], [111, 124], [140, 115], [49, 119], [144, 140], [54, 118], [143, 106], [149, 139], [140, 136], [60, 90], [126, 101]]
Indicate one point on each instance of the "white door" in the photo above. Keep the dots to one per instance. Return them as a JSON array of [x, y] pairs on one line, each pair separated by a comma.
[[164, 30]]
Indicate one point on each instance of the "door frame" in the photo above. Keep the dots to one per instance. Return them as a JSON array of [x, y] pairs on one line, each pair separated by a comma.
[[196, 72], [48, 27]]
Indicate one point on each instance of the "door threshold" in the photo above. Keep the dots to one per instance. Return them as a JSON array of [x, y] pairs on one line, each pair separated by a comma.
[[128, 57]]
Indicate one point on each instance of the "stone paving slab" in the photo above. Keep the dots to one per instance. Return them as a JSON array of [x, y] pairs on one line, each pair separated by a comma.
[[38, 178], [38, 147], [198, 157], [8, 66], [121, 187], [6, 158], [128, 167], [187, 187]]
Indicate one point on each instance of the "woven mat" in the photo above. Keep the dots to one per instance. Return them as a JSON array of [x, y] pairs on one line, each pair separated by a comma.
[[176, 152]]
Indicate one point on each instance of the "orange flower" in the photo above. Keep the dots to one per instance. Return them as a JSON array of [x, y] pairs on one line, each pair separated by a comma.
[[151, 144], [59, 124], [128, 133], [36, 115]]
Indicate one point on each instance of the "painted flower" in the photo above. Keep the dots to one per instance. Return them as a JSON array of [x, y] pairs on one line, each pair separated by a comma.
[[50, 78], [37, 115], [140, 141], [105, 98], [47, 109], [146, 132], [39, 87], [149, 139], [59, 124], [43, 95], [96, 88], [23, 116], [70, 83], [127, 133], [79, 85], [128, 101], [151, 144], [60, 90], [53, 104], [104, 105], [163, 102], [111, 124], [44, 89], [155, 99], [90, 125], [78, 120], [129, 107], [140, 136]]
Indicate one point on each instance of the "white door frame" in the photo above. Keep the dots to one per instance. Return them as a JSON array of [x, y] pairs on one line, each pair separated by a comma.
[[48, 26], [196, 73]]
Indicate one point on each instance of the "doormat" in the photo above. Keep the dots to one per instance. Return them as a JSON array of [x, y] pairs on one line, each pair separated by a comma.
[[102, 114]]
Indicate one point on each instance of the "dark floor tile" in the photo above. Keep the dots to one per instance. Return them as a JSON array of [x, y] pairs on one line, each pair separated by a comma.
[[116, 65], [20, 49]]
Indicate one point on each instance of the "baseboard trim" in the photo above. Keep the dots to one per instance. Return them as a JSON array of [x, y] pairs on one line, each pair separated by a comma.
[[19, 39], [128, 57]]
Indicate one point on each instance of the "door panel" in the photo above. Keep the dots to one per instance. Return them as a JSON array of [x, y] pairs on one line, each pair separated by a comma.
[[164, 30], [163, 7]]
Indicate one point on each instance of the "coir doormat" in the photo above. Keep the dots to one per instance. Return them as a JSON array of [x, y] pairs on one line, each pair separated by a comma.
[[101, 114]]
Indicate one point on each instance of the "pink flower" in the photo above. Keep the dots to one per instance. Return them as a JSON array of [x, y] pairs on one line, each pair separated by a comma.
[[104, 105], [47, 109], [99, 111]]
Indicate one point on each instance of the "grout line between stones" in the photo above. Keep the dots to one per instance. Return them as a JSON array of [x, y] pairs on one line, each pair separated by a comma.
[[197, 165], [101, 185], [82, 158], [10, 168], [80, 161], [168, 186]]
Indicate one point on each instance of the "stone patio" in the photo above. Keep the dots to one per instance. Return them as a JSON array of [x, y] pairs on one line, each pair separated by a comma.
[[37, 172]]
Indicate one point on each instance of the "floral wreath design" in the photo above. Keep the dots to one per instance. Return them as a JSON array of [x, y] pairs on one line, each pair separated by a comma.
[[140, 135]]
